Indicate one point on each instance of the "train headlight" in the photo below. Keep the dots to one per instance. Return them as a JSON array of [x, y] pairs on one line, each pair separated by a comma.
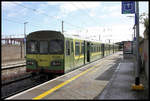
[[56, 63], [30, 62]]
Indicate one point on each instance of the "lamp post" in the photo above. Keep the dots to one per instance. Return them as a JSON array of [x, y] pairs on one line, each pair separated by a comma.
[[25, 38], [134, 32], [62, 27], [137, 79], [137, 85], [133, 26]]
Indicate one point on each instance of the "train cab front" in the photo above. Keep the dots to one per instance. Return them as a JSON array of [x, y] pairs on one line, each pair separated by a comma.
[[45, 56]]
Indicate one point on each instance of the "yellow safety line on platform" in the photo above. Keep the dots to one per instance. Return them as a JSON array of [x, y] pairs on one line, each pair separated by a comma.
[[62, 84]]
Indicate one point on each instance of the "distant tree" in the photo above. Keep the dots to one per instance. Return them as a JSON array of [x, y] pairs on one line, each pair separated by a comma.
[[144, 19], [140, 38], [146, 31]]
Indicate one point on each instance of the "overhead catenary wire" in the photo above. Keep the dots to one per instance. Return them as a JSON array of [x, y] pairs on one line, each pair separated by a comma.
[[32, 24], [17, 22], [12, 21], [91, 19], [85, 12], [46, 14], [88, 14], [33, 9], [82, 20]]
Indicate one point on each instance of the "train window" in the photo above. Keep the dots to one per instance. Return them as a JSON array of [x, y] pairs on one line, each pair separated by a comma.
[[82, 49], [67, 47], [32, 47], [56, 46], [72, 46], [96, 48], [106, 47], [43, 46], [99, 48], [92, 48], [77, 48]]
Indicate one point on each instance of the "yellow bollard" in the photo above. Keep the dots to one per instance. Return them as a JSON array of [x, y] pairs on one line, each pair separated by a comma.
[[137, 87]]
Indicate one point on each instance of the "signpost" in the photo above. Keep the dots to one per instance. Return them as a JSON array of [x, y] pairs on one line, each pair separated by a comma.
[[128, 7]]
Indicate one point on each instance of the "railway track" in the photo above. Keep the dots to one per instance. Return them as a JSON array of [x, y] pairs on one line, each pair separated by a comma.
[[23, 83], [7, 82], [12, 71], [12, 66], [20, 83]]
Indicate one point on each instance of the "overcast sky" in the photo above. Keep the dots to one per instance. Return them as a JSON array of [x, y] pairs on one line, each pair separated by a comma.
[[86, 19]]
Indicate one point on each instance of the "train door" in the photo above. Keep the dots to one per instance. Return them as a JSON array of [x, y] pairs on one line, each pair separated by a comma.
[[113, 48], [109, 49], [71, 54], [88, 51], [67, 58], [102, 50], [85, 52]]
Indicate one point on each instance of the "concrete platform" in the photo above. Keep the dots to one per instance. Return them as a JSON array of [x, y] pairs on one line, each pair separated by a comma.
[[107, 78], [119, 87], [82, 83]]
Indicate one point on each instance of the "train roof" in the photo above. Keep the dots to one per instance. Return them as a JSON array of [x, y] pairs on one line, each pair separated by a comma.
[[68, 35], [49, 34], [45, 34]]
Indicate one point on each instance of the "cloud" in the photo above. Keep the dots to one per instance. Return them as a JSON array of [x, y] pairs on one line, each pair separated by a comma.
[[41, 9], [72, 6], [11, 9], [104, 16], [15, 12], [116, 33], [54, 3], [114, 8], [110, 11], [9, 5], [69, 7]]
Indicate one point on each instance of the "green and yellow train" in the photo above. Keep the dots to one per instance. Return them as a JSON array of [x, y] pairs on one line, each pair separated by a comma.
[[51, 52]]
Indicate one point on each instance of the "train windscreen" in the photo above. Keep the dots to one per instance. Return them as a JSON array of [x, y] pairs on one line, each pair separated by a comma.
[[56, 46], [32, 47], [43, 46]]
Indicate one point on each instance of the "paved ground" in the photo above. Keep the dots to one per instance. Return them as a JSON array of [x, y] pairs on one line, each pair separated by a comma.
[[79, 84], [112, 79], [119, 87]]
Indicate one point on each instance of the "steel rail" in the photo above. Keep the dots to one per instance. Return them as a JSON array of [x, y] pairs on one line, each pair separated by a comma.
[[13, 66]]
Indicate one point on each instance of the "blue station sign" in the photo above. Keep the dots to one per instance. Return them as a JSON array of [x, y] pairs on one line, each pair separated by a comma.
[[128, 7]]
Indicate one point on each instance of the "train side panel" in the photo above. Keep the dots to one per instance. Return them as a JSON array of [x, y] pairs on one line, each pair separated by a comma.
[[96, 52], [78, 53], [69, 55]]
